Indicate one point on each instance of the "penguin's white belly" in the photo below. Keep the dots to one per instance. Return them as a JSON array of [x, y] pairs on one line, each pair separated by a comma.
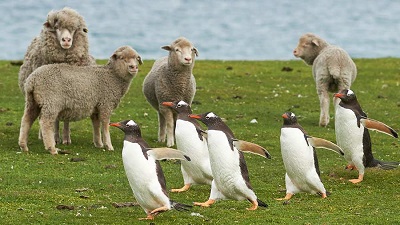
[[198, 170], [142, 177], [225, 167], [348, 135], [298, 158]]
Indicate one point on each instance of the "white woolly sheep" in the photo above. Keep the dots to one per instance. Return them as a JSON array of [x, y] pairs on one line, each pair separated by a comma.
[[171, 79], [63, 39], [332, 68], [75, 93]]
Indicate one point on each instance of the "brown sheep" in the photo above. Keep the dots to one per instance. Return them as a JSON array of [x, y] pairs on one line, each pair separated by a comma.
[[171, 79], [332, 68]]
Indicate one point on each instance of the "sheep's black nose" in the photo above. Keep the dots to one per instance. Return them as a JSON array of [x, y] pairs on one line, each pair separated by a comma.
[[66, 39]]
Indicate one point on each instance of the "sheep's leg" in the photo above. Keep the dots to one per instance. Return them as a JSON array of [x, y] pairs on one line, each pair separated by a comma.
[[161, 127], [105, 121], [57, 132], [47, 125], [170, 125], [98, 143], [31, 113], [324, 105], [66, 134], [40, 135]]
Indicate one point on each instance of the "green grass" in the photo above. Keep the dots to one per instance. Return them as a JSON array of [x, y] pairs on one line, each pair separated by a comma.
[[32, 185]]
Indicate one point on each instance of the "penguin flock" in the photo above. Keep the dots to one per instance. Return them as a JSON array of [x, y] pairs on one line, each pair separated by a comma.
[[215, 157]]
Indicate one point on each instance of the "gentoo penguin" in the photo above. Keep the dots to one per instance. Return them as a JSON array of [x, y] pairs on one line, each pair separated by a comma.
[[190, 140], [300, 158], [231, 178], [352, 135], [144, 172]]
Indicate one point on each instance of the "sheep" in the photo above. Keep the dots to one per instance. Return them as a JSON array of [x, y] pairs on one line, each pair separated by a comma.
[[77, 92], [332, 68], [63, 39], [171, 79]]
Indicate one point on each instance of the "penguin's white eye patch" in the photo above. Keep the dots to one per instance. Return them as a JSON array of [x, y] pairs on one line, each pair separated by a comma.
[[350, 92], [292, 115], [130, 123], [210, 115], [181, 103]]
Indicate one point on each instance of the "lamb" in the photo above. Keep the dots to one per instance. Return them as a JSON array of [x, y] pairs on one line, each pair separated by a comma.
[[92, 91], [63, 39], [332, 68], [171, 79]]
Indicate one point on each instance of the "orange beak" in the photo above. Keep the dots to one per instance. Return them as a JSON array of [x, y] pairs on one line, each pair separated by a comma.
[[284, 116], [114, 124], [194, 116], [338, 95], [170, 104]]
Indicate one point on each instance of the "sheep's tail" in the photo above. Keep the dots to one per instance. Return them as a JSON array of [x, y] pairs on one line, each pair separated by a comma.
[[261, 203], [180, 206]]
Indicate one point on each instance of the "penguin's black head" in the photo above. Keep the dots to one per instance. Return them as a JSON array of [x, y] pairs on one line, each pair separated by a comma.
[[346, 96], [179, 106], [129, 127], [289, 118], [208, 118]]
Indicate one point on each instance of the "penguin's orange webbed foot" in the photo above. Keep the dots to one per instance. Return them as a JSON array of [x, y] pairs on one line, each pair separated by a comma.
[[184, 188], [254, 205], [358, 180], [149, 217], [205, 204], [287, 197], [158, 210], [350, 167]]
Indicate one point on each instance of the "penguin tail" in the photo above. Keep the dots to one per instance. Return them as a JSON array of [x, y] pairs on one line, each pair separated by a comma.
[[388, 165], [261, 203], [180, 206]]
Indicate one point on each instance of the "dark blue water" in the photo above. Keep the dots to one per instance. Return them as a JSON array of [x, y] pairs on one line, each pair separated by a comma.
[[238, 30]]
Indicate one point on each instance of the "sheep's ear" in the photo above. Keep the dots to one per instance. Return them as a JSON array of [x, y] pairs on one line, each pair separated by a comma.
[[85, 30], [114, 56], [47, 24], [196, 52], [140, 60], [315, 42], [167, 47]]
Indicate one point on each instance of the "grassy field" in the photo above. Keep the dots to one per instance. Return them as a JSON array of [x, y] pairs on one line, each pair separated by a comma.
[[35, 187]]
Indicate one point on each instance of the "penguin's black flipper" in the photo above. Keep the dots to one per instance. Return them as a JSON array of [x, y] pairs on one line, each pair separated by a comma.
[[180, 206], [322, 143], [167, 153], [261, 203], [378, 126], [246, 146]]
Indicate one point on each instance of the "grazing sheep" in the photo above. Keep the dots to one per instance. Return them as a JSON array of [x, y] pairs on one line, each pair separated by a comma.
[[171, 79], [332, 67], [63, 39], [77, 92]]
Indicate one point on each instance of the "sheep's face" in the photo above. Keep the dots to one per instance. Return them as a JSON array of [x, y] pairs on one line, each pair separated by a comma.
[[65, 37], [308, 48], [184, 50], [128, 60], [65, 24]]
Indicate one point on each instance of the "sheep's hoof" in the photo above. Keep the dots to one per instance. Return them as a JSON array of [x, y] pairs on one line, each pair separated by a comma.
[[54, 151], [110, 148], [24, 149], [66, 142], [99, 145]]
